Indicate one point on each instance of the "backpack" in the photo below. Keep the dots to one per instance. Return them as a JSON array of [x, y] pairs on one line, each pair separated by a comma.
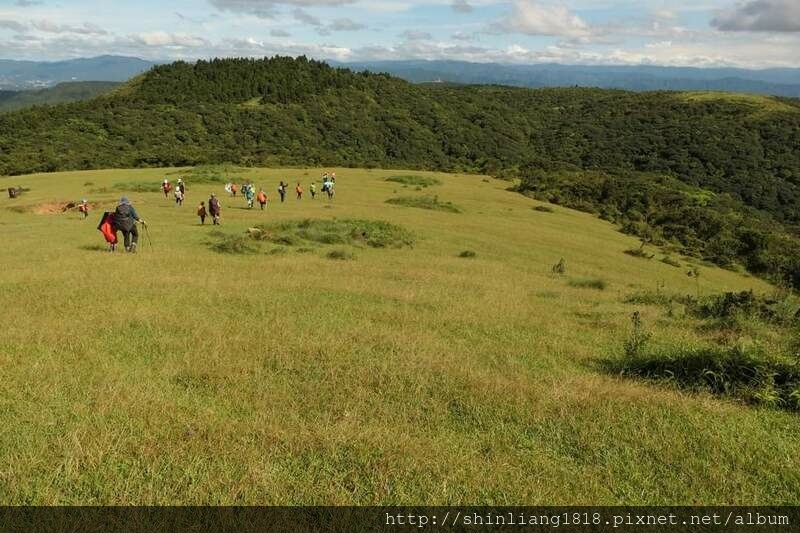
[[123, 217]]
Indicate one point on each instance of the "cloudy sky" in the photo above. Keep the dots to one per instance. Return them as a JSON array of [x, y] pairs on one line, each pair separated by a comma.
[[749, 33]]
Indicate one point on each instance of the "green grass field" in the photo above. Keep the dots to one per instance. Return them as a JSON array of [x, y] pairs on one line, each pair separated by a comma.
[[405, 375]]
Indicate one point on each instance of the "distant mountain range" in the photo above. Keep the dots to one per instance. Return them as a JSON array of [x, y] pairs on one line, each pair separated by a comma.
[[21, 75], [779, 81]]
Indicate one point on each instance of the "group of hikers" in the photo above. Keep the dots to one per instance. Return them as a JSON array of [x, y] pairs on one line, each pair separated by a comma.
[[180, 190], [125, 218]]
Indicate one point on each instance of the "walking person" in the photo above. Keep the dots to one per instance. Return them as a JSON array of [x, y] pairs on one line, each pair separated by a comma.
[[125, 220], [262, 198], [182, 187], [214, 208], [299, 191], [313, 190], [250, 195], [178, 197], [83, 207], [201, 212], [166, 187], [282, 191]]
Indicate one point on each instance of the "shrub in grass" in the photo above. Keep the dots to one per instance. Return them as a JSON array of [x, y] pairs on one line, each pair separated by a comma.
[[588, 283], [544, 209], [424, 202], [341, 255], [372, 233], [745, 373], [415, 181], [234, 245], [640, 253], [89, 184], [650, 298], [668, 260], [731, 306], [468, 254]]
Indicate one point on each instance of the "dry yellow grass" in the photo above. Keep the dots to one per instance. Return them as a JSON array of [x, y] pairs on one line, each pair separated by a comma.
[[409, 376]]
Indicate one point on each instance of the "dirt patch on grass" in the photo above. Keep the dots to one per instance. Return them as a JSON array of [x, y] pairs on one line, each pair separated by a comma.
[[51, 208]]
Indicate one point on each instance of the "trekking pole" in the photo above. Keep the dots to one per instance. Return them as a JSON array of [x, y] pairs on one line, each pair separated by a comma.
[[147, 232]]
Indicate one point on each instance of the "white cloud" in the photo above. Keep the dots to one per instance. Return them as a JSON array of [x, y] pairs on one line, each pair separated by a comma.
[[532, 17]]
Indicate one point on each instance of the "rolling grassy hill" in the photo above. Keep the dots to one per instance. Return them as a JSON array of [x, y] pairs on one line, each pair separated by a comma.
[[715, 175], [61, 93], [279, 373]]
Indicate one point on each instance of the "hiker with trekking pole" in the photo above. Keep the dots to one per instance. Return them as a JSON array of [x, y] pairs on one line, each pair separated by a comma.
[[125, 220]]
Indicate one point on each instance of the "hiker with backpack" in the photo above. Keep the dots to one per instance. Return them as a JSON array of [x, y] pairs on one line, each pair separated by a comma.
[[250, 195], [214, 209], [125, 220], [262, 198], [201, 212], [83, 207]]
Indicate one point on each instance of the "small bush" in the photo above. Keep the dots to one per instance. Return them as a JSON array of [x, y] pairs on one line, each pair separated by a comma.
[[588, 283], [640, 253], [234, 244], [745, 373], [544, 209], [668, 260], [415, 181], [732, 306], [424, 202], [89, 184], [650, 298], [638, 339], [468, 254], [302, 233], [340, 255]]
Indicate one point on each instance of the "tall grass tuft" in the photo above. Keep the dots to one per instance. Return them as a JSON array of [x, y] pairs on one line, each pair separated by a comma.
[[431, 203], [421, 182], [589, 283]]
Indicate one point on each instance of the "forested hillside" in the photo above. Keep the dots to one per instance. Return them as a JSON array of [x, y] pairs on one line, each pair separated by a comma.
[[286, 111], [61, 93]]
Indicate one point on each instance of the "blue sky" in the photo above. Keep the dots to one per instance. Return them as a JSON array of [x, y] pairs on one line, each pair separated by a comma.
[[749, 33]]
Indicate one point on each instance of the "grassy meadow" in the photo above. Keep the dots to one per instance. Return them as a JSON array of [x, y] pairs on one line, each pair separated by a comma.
[[350, 374]]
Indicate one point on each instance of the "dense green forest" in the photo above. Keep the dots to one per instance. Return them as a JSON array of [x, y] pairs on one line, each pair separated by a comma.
[[744, 151]]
